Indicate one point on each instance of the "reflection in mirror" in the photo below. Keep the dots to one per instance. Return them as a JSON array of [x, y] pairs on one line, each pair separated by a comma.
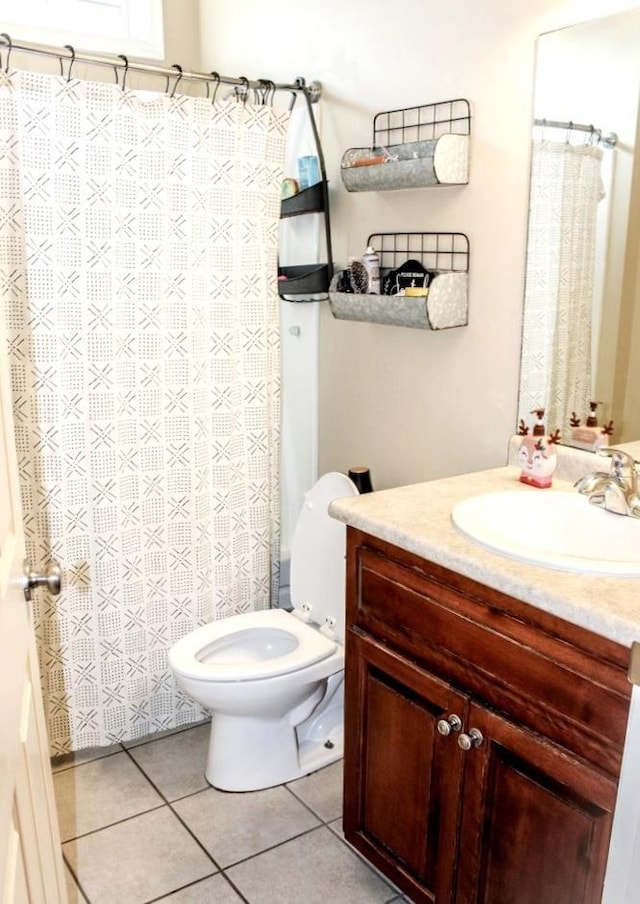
[[581, 326]]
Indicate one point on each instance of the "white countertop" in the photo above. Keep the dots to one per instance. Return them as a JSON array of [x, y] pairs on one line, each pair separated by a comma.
[[417, 518]]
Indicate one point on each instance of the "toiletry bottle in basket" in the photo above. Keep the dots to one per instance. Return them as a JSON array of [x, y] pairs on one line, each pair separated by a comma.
[[372, 263]]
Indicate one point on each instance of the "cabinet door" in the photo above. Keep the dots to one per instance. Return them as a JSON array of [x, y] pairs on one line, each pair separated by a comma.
[[402, 776], [535, 820]]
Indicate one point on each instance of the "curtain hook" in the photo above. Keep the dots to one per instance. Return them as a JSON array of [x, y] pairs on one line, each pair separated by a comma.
[[9, 42], [215, 76], [569, 130], [121, 56], [245, 89], [178, 68], [71, 50], [299, 83], [264, 91]]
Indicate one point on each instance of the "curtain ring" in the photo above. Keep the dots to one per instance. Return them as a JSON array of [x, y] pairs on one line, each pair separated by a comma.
[[9, 42], [121, 56], [263, 91], [215, 76], [71, 50], [245, 85], [259, 92], [178, 68]]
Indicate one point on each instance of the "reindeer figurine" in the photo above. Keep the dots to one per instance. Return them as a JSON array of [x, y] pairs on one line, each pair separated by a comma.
[[537, 456]]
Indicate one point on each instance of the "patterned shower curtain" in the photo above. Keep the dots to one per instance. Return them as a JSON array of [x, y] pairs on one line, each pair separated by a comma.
[[138, 261], [566, 187]]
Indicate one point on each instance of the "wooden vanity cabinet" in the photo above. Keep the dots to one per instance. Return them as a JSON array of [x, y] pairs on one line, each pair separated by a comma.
[[435, 660]]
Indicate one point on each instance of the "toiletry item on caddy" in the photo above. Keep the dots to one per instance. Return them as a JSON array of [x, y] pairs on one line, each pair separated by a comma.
[[371, 263], [537, 454], [308, 172], [362, 275]]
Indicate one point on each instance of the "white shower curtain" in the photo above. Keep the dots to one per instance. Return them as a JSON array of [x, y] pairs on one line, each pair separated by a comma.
[[566, 186], [138, 261]]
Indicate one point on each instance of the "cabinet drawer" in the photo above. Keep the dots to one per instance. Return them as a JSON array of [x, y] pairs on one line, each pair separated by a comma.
[[562, 681]]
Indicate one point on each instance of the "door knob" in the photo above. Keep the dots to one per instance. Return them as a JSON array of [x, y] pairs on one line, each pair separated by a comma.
[[52, 579]]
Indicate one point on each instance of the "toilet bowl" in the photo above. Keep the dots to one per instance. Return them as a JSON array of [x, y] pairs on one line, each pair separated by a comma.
[[272, 679]]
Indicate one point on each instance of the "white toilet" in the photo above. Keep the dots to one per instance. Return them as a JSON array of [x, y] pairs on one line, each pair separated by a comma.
[[274, 679]]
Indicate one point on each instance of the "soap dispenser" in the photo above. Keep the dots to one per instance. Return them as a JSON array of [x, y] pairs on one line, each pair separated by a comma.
[[591, 436], [537, 456]]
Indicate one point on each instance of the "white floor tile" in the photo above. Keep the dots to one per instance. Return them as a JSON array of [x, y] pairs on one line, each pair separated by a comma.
[[74, 895], [175, 764], [215, 890], [234, 826], [322, 791], [137, 860], [314, 869], [68, 760], [100, 793]]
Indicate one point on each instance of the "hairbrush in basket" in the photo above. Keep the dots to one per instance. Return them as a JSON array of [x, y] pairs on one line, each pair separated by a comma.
[[359, 277]]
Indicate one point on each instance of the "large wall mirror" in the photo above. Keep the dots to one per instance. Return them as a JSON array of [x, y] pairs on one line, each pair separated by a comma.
[[581, 327]]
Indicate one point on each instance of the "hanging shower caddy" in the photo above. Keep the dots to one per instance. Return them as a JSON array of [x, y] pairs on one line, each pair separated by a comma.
[[413, 147], [303, 280], [445, 254]]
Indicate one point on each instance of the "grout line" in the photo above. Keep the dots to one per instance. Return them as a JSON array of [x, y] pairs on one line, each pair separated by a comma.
[[182, 888], [175, 813], [236, 889], [75, 878], [102, 756], [322, 823], [110, 824], [161, 735], [274, 847], [392, 887], [310, 808]]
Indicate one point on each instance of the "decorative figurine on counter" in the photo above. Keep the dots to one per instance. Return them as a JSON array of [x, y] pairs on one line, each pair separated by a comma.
[[537, 456], [590, 437]]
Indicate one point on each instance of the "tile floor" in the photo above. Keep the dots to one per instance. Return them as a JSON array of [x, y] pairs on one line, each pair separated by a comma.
[[139, 823]]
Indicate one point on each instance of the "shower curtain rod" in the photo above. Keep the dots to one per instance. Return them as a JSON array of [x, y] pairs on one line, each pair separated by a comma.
[[313, 90], [607, 139]]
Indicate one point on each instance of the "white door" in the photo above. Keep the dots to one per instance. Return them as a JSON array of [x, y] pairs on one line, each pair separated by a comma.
[[30, 854]]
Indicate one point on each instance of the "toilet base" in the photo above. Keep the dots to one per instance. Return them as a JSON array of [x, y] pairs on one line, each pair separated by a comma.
[[249, 754]]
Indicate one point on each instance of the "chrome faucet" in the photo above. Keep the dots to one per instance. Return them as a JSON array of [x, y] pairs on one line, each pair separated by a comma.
[[617, 490]]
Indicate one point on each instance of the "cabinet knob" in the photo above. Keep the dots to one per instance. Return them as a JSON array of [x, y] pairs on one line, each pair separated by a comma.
[[451, 723], [475, 738]]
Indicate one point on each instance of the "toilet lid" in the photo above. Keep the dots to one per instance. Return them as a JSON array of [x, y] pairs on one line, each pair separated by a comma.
[[318, 552]]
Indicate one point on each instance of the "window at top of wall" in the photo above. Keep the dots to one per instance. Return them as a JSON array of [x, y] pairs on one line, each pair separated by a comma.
[[132, 27]]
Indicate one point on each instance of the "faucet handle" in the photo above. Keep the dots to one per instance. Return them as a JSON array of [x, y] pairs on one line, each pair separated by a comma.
[[623, 465]]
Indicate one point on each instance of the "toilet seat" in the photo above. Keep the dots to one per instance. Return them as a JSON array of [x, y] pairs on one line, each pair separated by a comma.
[[250, 646]]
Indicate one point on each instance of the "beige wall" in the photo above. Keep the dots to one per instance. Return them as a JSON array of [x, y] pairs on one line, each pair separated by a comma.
[[182, 45], [182, 34], [411, 404]]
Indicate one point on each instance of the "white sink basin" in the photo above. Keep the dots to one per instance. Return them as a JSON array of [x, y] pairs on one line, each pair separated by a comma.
[[554, 529]]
